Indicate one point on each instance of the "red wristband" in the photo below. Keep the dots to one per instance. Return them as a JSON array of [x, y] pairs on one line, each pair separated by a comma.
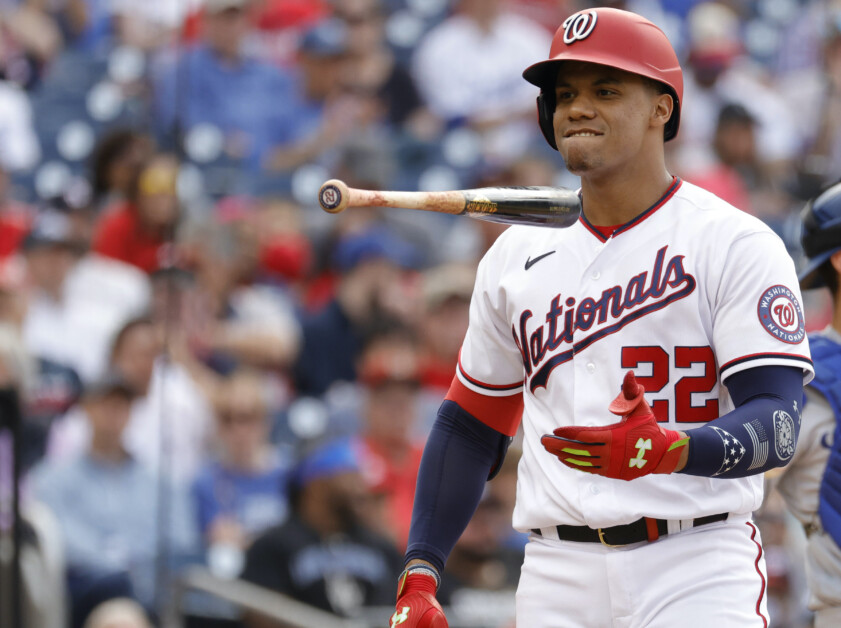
[[671, 457]]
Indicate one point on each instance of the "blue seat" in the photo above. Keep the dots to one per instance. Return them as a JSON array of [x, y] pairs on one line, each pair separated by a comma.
[[73, 73]]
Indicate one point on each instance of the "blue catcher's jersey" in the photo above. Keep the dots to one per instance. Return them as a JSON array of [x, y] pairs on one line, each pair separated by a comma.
[[826, 356]]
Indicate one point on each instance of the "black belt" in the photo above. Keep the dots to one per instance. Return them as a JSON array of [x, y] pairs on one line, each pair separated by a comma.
[[645, 529]]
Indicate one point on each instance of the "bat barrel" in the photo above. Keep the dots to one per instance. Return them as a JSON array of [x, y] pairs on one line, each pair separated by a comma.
[[534, 205]]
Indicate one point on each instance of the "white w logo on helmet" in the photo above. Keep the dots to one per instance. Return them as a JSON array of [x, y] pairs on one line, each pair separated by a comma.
[[579, 26]]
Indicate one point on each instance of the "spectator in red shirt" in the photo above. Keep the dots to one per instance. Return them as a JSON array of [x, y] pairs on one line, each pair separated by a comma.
[[392, 448], [137, 231], [15, 219], [269, 235]]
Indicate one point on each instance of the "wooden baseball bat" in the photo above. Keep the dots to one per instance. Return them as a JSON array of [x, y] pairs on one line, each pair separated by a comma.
[[545, 206]]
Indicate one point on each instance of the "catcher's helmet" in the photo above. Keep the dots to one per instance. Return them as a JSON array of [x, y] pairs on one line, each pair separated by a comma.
[[612, 37], [821, 234]]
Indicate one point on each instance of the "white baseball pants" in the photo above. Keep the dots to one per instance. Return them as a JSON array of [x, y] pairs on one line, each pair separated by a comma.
[[709, 576]]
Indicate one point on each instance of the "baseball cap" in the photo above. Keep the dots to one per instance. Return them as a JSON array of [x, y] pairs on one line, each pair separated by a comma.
[[327, 38], [733, 112], [51, 228], [447, 281], [374, 243], [714, 37], [329, 458], [217, 6], [713, 27], [820, 236]]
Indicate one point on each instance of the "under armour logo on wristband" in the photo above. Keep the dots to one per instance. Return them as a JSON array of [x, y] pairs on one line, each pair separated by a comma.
[[643, 444], [399, 618]]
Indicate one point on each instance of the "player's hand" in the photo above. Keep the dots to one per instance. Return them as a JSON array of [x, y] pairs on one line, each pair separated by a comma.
[[416, 604], [631, 448]]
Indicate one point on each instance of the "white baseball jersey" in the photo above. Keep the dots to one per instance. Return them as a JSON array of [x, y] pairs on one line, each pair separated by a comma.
[[686, 294]]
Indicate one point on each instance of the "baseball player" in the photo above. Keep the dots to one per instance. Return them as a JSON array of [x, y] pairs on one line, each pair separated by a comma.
[[811, 482], [638, 506]]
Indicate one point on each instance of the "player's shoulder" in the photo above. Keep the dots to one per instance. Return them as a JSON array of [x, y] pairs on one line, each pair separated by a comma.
[[530, 238], [515, 245], [714, 212]]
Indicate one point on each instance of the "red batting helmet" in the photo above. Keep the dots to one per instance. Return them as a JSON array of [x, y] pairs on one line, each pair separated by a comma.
[[611, 37]]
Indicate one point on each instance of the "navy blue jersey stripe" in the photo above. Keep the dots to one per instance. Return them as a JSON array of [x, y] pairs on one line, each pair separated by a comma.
[[663, 199], [764, 356], [676, 183], [485, 386]]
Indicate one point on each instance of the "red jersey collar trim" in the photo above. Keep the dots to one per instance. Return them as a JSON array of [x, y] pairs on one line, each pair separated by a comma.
[[676, 183]]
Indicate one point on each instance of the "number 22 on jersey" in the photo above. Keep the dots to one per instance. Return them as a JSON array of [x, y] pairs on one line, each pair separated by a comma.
[[664, 368]]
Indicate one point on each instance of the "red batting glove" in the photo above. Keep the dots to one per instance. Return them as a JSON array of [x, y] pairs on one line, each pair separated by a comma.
[[631, 448], [416, 603]]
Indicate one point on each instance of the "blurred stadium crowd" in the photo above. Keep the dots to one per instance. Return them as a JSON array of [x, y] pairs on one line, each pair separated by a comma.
[[213, 371]]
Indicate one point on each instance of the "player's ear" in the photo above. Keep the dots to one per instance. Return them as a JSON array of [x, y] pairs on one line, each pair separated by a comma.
[[835, 260], [663, 105]]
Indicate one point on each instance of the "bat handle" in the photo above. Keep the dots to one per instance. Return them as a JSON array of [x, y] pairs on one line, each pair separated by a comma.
[[334, 196]]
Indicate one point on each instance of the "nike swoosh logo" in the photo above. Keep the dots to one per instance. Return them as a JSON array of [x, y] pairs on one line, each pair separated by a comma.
[[531, 262]]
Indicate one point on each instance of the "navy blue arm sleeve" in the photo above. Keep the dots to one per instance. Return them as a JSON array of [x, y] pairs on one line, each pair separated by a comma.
[[760, 434], [461, 454]]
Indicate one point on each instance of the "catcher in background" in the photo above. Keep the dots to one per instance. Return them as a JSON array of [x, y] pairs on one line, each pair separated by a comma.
[[811, 483], [638, 511]]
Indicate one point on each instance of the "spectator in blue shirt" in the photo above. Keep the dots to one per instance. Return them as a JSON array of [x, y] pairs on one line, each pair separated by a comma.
[[216, 83], [108, 507], [243, 491], [333, 105], [88, 24]]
